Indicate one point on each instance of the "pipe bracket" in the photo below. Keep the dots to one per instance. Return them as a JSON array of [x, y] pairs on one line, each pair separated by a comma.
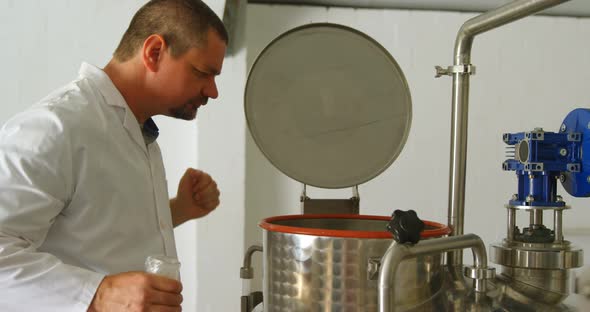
[[465, 69], [479, 274]]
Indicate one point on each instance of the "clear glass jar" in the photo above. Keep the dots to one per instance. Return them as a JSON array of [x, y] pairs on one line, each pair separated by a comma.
[[163, 265]]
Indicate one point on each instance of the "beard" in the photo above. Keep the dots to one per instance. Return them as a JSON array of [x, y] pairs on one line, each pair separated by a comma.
[[188, 110]]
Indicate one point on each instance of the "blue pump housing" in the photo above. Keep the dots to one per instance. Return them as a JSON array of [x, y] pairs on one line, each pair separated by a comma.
[[542, 158], [578, 183]]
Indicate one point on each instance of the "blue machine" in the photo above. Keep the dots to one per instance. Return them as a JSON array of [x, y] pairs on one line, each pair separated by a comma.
[[539, 252], [541, 158]]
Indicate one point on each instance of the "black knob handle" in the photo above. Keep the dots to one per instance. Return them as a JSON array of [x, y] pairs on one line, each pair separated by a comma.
[[405, 226]]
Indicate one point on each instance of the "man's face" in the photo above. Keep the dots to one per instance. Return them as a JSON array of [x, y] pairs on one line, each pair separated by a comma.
[[188, 81]]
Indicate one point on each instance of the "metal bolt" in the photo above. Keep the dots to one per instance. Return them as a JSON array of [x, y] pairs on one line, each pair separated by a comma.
[[563, 152], [563, 127], [514, 196], [441, 72], [530, 198], [558, 198], [373, 268], [531, 176], [562, 178]]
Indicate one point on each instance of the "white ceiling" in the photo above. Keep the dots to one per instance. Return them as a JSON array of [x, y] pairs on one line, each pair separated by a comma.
[[572, 8]]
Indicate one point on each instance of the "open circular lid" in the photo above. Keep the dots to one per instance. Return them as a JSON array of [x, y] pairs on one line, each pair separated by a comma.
[[328, 106]]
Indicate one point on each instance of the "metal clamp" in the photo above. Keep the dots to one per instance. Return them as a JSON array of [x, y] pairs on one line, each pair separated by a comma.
[[330, 206], [465, 69], [373, 267], [479, 274]]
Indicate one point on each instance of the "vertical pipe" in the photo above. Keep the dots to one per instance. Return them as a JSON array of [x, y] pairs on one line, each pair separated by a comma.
[[557, 225], [458, 158], [537, 217], [511, 223]]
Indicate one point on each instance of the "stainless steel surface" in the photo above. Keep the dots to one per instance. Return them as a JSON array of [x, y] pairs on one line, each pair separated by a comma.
[[575, 8], [460, 99], [547, 286], [323, 273], [508, 297], [311, 115], [397, 253], [246, 271], [557, 225], [537, 256]]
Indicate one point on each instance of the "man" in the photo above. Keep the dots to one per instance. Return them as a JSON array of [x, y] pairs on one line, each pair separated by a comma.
[[83, 197]]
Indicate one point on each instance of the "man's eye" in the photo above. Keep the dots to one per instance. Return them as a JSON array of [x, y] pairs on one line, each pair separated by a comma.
[[200, 73]]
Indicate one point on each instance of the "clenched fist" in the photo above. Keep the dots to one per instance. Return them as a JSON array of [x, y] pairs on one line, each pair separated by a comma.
[[197, 196]]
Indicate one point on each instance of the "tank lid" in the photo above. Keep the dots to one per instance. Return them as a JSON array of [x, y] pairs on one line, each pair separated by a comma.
[[285, 224], [328, 106]]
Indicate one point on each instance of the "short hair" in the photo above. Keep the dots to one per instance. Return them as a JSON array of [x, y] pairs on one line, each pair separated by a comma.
[[183, 24]]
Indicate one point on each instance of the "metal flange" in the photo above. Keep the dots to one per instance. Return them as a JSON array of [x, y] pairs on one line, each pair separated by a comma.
[[536, 258], [521, 207]]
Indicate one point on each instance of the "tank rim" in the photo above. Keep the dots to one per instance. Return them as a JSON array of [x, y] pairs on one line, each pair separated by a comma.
[[436, 229]]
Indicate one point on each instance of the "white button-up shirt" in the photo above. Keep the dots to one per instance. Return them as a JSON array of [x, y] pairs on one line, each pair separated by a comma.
[[82, 194]]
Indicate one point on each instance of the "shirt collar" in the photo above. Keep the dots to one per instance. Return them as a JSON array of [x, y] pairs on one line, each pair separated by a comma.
[[105, 85], [113, 97]]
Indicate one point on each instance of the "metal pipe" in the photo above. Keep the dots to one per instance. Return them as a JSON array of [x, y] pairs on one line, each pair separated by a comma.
[[396, 253], [574, 10], [511, 223], [557, 226], [537, 217], [477, 25], [246, 271]]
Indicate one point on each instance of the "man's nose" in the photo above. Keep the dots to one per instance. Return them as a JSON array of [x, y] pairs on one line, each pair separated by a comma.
[[211, 90]]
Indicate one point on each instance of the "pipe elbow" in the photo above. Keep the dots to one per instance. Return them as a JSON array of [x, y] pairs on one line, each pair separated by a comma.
[[389, 263]]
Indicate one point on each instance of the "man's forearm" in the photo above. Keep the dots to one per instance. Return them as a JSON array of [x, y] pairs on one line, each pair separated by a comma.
[[178, 217]]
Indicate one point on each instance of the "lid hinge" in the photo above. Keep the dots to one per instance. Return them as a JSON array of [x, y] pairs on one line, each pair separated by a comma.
[[330, 206]]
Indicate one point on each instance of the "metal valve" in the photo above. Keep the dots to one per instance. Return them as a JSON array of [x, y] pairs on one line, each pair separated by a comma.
[[405, 226]]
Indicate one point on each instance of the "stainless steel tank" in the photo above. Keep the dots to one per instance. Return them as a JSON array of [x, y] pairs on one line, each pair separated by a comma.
[[329, 121], [331, 263]]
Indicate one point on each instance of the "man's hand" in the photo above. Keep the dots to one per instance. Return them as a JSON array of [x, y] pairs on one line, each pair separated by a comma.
[[137, 291], [197, 196]]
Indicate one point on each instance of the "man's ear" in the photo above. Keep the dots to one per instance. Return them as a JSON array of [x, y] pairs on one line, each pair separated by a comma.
[[151, 53]]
